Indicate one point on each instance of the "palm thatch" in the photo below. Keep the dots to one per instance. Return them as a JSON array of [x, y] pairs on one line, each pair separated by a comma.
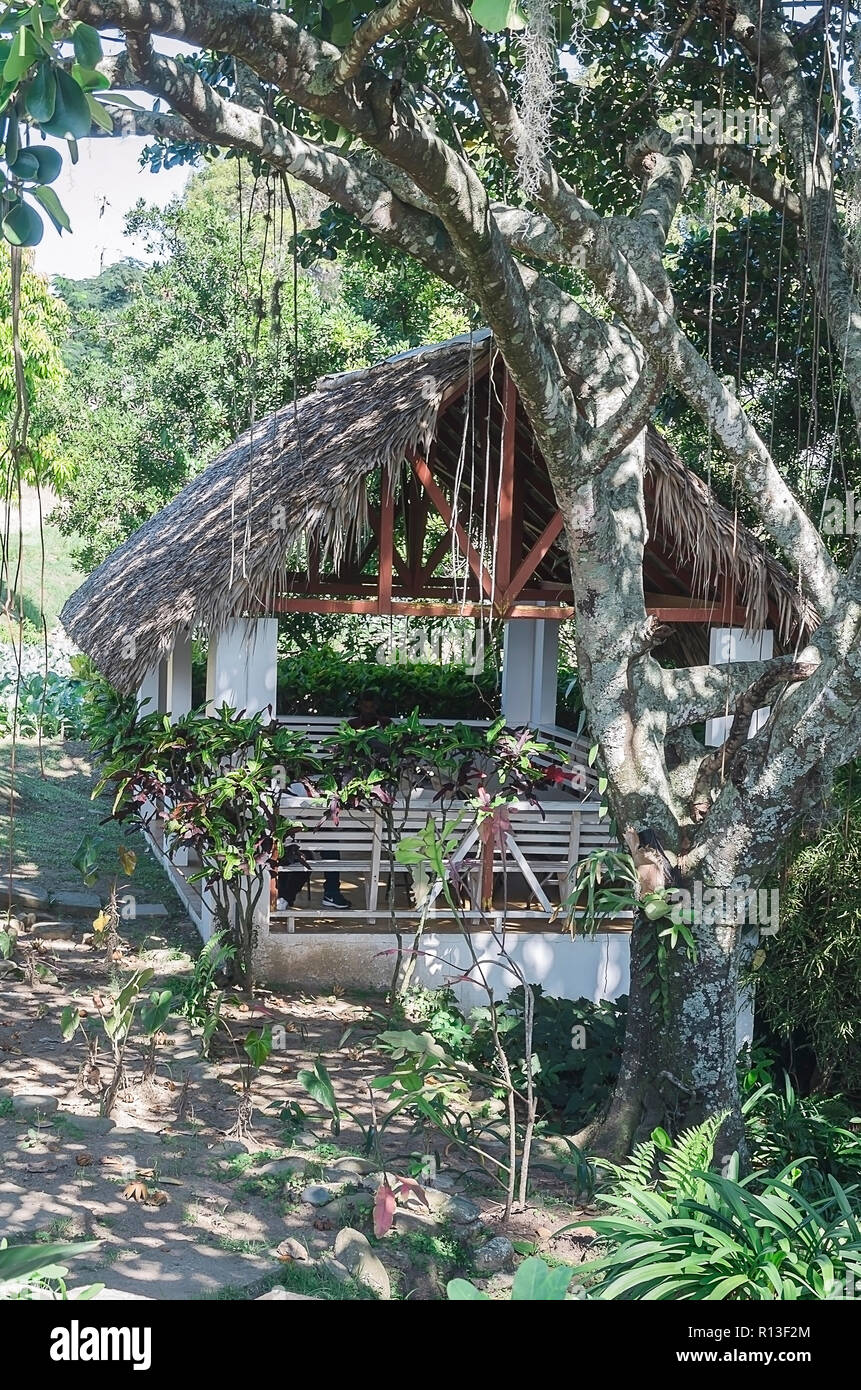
[[219, 550]]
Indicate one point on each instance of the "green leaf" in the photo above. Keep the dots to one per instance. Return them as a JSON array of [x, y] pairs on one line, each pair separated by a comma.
[[23, 226], [462, 1291], [25, 166], [49, 162], [24, 50], [495, 15], [99, 114], [69, 1020], [18, 1261], [536, 1281], [89, 79], [71, 118], [596, 15], [87, 45], [319, 1086], [40, 94]]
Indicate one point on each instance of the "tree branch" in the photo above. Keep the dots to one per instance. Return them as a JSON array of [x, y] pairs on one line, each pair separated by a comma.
[[378, 24], [720, 762]]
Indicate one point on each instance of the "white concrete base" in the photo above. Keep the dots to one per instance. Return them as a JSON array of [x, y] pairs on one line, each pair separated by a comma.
[[595, 967]]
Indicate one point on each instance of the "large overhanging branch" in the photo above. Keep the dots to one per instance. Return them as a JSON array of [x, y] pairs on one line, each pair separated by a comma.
[[301, 67]]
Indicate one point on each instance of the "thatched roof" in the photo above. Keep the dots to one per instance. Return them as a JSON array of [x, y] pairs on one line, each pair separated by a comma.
[[219, 549]]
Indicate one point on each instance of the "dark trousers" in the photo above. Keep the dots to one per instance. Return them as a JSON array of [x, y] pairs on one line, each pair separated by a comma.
[[292, 881]]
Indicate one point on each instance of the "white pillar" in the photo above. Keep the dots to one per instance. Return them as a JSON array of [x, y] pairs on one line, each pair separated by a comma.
[[728, 645], [153, 689], [242, 666], [179, 677], [530, 671]]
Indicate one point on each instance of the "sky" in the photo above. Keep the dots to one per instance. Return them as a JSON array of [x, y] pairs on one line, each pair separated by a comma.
[[97, 193]]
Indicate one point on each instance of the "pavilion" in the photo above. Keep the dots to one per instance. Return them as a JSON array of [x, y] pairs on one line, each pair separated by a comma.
[[411, 488]]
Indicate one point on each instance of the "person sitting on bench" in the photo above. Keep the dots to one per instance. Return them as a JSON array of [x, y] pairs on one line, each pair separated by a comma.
[[292, 879]]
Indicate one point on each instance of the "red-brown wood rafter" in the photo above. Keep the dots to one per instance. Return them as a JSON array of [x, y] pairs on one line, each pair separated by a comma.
[[529, 565], [443, 506]]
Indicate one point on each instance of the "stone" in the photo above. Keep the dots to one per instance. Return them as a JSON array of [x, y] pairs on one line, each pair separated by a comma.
[[56, 931], [77, 904], [27, 895], [459, 1210], [226, 1148], [281, 1167], [306, 1141], [354, 1251], [334, 1267], [90, 1124], [316, 1195], [150, 910], [349, 1204], [408, 1222], [350, 1166], [26, 1105], [444, 1182], [293, 1249], [280, 1294], [496, 1255]]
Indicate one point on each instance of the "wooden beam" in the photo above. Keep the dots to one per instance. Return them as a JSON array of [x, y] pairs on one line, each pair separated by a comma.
[[528, 566], [441, 502], [400, 567], [416, 502]]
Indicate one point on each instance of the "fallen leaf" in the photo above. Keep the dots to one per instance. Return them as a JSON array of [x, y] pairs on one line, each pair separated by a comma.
[[174, 1182], [83, 1160], [157, 1199], [136, 1192]]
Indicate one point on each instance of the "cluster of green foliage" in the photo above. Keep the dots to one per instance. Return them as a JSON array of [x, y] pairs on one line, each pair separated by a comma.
[[320, 680], [676, 1230], [577, 1045], [783, 1127], [809, 979], [49, 705]]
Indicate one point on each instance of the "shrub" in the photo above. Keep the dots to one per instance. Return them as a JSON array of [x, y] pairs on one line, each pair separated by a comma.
[[695, 1234], [572, 1081], [577, 1049], [809, 979], [784, 1127]]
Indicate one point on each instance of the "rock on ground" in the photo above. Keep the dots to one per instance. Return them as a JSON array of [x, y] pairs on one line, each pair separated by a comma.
[[354, 1252]]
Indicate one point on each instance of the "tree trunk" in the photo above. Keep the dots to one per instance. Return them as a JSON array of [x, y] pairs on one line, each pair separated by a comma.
[[679, 1058]]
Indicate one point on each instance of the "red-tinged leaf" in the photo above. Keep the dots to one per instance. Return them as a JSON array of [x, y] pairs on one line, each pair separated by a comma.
[[384, 1210], [413, 1189]]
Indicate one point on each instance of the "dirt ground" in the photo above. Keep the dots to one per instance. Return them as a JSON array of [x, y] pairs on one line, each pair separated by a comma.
[[179, 1208]]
